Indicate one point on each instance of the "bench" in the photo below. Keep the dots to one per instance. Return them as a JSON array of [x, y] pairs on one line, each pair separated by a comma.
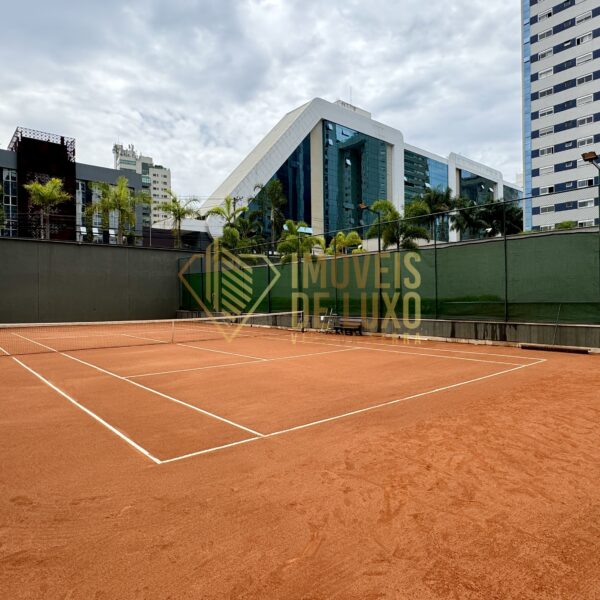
[[348, 326]]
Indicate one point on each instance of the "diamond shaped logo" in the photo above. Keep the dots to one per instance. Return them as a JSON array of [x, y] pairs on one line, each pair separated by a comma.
[[229, 288]]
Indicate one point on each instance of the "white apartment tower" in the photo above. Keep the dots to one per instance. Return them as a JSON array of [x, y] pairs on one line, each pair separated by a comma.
[[156, 179], [561, 111]]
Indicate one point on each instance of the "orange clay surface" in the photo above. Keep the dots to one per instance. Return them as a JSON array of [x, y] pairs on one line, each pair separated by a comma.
[[308, 466]]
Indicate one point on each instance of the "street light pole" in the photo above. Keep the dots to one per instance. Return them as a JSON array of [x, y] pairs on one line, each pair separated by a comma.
[[593, 158]]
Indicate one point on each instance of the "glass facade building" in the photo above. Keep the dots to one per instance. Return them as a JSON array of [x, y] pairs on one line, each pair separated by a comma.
[[422, 173], [294, 175], [476, 188], [355, 171]]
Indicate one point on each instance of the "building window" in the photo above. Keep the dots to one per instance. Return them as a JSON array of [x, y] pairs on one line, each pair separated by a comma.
[[546, 227], [586, 37], [546, 92], [583, 183], [585, 203], [545, 34], [587, 223], [585, 79], [585, 120], [546, 170], [588, 99], [584, 58], [586, 141], [545, 53], [544, 112], [544, 16], [546, 190], [546, 73], [583, 18], [547, 209], [547, 150], [546, 131]]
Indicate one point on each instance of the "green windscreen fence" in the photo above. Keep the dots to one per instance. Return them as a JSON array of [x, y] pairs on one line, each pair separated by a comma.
[[526, 278]]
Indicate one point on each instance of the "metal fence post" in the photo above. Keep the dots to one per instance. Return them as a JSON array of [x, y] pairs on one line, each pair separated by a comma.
[[505, 261]]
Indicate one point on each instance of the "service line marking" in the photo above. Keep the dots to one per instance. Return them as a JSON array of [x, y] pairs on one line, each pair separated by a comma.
[[239, 364]]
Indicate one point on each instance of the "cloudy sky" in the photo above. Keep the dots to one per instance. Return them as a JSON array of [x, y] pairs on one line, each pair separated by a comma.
[[197, 83]]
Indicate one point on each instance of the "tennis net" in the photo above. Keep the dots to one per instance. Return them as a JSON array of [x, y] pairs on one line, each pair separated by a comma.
[[35, 338]]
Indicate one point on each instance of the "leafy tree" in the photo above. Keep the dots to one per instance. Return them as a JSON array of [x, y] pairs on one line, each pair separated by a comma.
[[293, 241], [396, 231], [271, 202], [120, 200], [47, 196], [178, 211], [343, 242], [565, 225], [228, 212]]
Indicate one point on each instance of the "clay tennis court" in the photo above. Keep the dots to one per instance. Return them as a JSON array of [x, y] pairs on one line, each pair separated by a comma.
[[281, 464]]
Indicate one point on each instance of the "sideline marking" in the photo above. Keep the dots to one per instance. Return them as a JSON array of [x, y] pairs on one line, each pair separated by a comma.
[[89, 412], [238, 364], [153, 391]]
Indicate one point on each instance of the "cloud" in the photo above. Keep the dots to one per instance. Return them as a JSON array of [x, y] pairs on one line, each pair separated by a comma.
[[196, 84]]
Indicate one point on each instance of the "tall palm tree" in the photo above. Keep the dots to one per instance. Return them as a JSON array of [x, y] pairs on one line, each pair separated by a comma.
[[229, 212], [47, 196], [396, 231], [271, 201], [178, 211], [293, 241], [120, 200]]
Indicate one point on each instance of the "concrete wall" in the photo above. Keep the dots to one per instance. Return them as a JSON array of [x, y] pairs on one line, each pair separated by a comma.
[[61, 281]]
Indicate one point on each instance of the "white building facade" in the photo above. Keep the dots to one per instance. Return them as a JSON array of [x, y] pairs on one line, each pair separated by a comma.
[[561, 111], [156, 180]]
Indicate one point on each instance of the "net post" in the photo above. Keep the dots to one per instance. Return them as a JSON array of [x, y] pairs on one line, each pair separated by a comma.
[[172, 331]]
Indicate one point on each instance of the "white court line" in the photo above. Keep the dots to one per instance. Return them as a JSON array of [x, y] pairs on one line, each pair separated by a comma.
[[360, 410], [195, 408], [457, 351], [139, 337], [209, 450], [89, 412], [219, 351], [402, 351], [238, 364]]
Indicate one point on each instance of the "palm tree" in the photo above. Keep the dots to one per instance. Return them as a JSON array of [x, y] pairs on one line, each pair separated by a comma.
[[178, 211], [432, 202], [396, 231], [294, 241], [47, 196], [271, 201], [488, 220], [229, 212], [120, 200], [342, 242], [249, 227]]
